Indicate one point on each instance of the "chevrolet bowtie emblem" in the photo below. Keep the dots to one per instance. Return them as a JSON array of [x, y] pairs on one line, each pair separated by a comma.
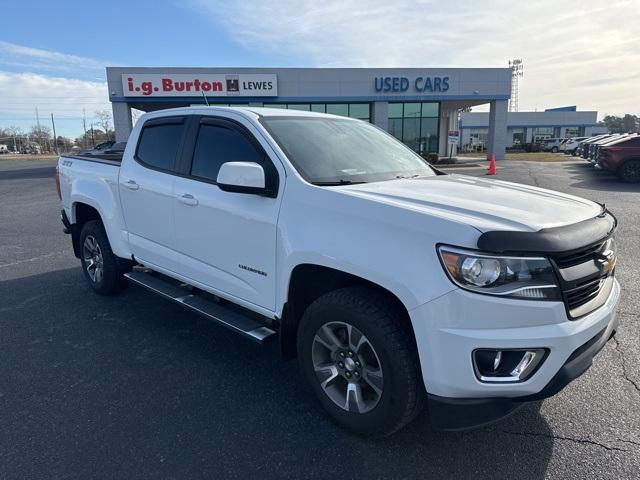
[[607, 261]]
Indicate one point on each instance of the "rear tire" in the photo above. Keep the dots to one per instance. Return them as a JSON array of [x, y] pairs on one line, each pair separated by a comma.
[[629, 171], [359, 357], [102, 269], [554, 150]]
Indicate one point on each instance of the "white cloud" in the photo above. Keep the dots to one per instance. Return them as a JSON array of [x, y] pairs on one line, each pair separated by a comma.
[[28, 58], [575, 52], [21, 93]]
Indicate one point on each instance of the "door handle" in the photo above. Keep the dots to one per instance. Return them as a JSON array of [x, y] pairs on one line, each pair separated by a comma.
[[131, 185], [188, 199]]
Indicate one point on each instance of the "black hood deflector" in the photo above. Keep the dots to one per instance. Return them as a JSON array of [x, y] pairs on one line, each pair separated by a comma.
[[550, 240]]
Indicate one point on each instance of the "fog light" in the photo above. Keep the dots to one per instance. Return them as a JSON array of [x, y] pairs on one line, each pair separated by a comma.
[[506, 365]]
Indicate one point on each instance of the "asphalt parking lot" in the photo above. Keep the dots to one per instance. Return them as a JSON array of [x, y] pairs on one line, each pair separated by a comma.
[[134, 387]]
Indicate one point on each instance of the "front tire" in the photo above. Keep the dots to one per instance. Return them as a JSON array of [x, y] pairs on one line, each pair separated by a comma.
[[359, 357], [554, 150], [629, 171], [102, 269]]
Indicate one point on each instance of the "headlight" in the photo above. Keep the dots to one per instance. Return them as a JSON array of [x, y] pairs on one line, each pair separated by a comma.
[[519, 277]]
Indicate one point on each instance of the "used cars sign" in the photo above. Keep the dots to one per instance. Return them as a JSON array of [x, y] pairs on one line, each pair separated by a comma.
[[186, 85]]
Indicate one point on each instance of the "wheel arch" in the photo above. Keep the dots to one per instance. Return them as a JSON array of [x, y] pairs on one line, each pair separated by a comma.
[[81, 213], [308, 282]]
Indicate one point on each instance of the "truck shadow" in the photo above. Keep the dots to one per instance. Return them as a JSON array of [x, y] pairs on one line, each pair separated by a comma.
[[133, 386]]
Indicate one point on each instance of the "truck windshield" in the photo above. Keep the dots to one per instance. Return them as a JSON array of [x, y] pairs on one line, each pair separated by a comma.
[[328, 151]]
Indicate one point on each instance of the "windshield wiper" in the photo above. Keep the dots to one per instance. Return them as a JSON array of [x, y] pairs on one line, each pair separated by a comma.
[[336, 182], [408, 176]]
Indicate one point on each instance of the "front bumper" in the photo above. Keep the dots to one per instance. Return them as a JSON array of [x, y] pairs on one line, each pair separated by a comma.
[[450, 327]]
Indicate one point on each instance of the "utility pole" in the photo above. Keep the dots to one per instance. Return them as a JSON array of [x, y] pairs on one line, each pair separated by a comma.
[[39, 134], [93, 139], [84, 126], [55, 137]]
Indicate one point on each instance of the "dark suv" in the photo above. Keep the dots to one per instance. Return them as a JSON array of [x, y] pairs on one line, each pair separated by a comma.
[[622, 157]]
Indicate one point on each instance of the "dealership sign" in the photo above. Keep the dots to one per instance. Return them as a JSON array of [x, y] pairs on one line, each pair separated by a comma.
[[419, 84], [197, 85]]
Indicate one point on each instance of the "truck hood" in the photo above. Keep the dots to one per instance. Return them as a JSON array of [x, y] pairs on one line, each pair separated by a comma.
[[486, 204]]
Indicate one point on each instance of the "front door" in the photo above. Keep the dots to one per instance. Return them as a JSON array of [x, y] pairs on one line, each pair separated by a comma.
[[146, 185], [227, 240]]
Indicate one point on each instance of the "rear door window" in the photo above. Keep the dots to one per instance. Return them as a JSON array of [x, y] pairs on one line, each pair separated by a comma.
[[159, 144]]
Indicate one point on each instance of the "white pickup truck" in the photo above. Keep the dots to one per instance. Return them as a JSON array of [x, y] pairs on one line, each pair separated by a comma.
[[393, 283]]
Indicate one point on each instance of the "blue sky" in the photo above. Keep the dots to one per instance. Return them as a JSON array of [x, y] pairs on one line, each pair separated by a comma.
[[52, 54]]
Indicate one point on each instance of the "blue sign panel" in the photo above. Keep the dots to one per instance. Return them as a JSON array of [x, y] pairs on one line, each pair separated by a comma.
[[419, 84]]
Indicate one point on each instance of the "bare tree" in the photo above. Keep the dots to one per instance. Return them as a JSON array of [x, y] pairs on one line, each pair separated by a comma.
[[41, 135], [104, 120]]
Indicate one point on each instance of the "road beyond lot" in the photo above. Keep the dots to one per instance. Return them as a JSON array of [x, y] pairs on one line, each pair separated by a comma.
[[135, 387]]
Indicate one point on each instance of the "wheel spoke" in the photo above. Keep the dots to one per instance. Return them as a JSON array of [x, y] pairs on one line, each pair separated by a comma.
[[98, 276], [373, 379], [326, 373], [354, 401], [328, 338]]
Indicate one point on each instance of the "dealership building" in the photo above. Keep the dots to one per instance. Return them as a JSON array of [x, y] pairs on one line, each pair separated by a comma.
[[527, 127], [419, 106]]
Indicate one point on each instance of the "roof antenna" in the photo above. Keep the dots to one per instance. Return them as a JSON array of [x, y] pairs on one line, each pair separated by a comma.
[[205, 98]]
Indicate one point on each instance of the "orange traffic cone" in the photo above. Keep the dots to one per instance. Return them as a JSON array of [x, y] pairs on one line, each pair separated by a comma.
[[492, 165]]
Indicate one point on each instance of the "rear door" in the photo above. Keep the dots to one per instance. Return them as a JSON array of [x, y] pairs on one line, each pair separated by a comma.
[[146, 191], [227, 240]]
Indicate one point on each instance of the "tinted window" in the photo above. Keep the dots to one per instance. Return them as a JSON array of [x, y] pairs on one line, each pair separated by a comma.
[[159, 144], [217, 145]]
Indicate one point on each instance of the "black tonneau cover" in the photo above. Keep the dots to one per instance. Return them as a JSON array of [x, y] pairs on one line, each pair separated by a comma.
[[110, 158]]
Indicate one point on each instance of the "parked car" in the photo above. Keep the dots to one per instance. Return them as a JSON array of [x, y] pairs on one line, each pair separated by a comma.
[[583, 148], [535, 146], [593, 148], [551, 144], [98, 149], [622, 157], [393, 283], [570, 145]]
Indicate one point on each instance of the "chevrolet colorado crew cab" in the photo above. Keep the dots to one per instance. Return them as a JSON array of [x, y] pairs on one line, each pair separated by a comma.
[[395, 285]]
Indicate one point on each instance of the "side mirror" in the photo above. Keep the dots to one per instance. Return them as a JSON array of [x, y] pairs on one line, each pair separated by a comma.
[[242, 177]]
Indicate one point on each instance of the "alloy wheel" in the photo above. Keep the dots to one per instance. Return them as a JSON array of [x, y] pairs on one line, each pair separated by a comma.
[[92, 256], [347, 367]]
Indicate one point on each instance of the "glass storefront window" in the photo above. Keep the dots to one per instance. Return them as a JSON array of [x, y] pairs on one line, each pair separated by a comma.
[[430, 109], [411, 110], [429, 135], [299, 106], [395, 110], [571, 132], [411, 132], [541, 133], [416, 125], [359, 110], [395, 127], [341, 109], [518, 136]]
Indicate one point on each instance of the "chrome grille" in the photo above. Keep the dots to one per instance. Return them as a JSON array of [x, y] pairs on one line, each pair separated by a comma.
[[580, 256], [586, 292], [582, 294]]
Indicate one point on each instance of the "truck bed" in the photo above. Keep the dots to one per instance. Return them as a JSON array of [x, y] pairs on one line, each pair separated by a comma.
[[111, 159]]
